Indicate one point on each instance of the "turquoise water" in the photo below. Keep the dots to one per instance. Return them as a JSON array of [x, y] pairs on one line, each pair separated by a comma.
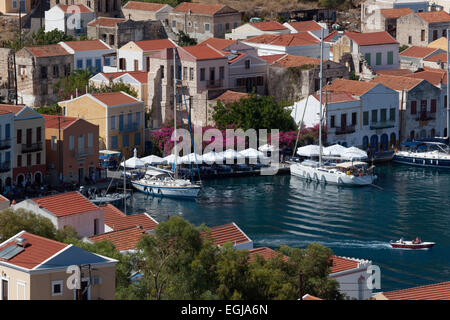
[[353, 222]]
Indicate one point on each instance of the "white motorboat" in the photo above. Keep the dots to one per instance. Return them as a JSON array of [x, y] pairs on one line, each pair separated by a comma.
[[433, 154]]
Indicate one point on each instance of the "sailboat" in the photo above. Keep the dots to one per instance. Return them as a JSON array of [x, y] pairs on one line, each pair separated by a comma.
[[346, 174], [165, 183]]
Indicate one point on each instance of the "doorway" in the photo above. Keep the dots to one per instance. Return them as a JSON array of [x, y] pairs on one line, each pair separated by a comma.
[[80, 175], [5, 289]]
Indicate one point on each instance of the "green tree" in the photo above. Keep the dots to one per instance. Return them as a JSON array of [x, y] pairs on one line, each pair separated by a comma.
[[185, 40], [53, 109], [38, 38], [254, 112], [403, 48]]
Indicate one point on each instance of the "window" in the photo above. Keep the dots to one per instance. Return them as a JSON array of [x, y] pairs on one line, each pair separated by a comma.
[[409, 40], [202, 74], [390, 57], [38, 158], [221, 73], [121, 122], [53, 142], [137, 138], [138, 118], [14, 4], [96, 227], [374, 115], [413, 107], [98, 65], [114, 142], [333, 121], [90, 140], [29, 159], [162, 72], [185, 73], [38, 134], [422, 35], [383, 114], [19, 160], [125, 140], [259, 81], [136, 65], [107, 61], [227, 26], [7, 131], [19, 135], [122, 64], [44, 72], [5, 289], [444, 33], [66, 69], [235, 25], [191, 74], [423, 105], [57, 288], [433, 106], [111, 39], [367, 57], [113, 122], [247, 64], [219, 28], [392, 114], [354, 118], [55, 71], [174, 24], [89, 64], [435, 34], [378, 57], [71, 142], [206, 26], [130, 120], [79, 64]]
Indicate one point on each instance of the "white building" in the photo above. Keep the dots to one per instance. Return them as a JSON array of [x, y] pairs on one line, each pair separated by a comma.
[[70, 19], [360, 114], [88, 53], [254, 29], [298, 44], [6, 148], [308, 26]]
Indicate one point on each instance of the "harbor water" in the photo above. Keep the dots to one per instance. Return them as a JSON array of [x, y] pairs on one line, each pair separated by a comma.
[[353, 222]]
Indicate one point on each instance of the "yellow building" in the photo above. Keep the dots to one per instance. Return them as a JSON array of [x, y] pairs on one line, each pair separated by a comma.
[[13, 6], [120, 117], [35, 268], [440, 43]]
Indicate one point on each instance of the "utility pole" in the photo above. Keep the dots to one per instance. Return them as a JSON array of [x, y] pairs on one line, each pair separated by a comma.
[[59, 150], [20, 24], [300, 280], [15, 78]]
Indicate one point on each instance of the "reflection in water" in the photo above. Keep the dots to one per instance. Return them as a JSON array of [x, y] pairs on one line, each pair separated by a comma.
[[356, 222]]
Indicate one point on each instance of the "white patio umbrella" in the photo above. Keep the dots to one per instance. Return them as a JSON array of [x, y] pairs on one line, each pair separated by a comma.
[[232, 154], [212, 157], [152, 159], [191, 158], [133, 163], [334, 150], [171, 159], [309, 151], [267, 147], [252, 153], [354, 153]]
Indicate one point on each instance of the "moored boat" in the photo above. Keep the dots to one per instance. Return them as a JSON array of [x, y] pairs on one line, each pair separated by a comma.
[[424, 154]]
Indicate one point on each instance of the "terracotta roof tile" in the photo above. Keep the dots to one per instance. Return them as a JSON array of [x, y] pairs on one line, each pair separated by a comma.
[[268, 26], [125, 239], [342, 264], [117, 220], [106, 22], [115, 98], [141, 76], [51, 50], [231, 96], [437, 291], [265, 253], [442, 57], [86, 45], [11, 108], [289, 61], [64, 204], [333, 36], [144, 6], [371, 38], [37, 250], [285, 40], [395, 12], [302, 26], [434, 76], [434, 16], [394, 72], [226, 233], [353, 87], [199, 8], [217, 43], [81, 7], [204, 52], [335, 97], [417, 52], [271, 59], [397, 82], [51, 121], [150, 45]]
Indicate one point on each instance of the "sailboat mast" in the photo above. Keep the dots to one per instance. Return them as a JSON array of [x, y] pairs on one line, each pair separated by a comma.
[[124, 186], [175, 111], [448, 85], [320, 108]]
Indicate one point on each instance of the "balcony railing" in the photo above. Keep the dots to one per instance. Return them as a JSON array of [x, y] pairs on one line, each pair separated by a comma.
[[344, 130], [33, 147], [5, 166], [84, 153], [5, 144], [382, 124], [214, 84], [130, 127], [425, 116]]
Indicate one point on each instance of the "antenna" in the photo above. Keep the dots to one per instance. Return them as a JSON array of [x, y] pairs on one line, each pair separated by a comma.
[[320, 110]]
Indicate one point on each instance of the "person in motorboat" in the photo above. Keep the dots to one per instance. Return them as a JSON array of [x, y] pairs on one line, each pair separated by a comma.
[[401, 240]]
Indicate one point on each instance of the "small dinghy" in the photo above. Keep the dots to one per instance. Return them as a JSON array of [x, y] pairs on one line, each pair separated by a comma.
[[414, 244]]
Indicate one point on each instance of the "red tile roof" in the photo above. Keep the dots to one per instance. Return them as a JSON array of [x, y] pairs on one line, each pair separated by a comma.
[[81, 7], [144, 6], [217, 43], [204, 52], [86, 45], [437, 291], [117, 220], [268, 26], [434, 16], [141, 76], [394, 72], [302, 26], [51, 50], [434, 76], [417, 52], [395, 12], [342, 264], [335, 97], [37, 250], [11, 108], [397, 82], [285, 40], [442, 57], [231, 96], [199, 8], [271, 59], [226, 233], [51, 121], [106, 22], [354, 87], [64, 204], [371, 38], [125, 239], [265, 253], [289, 61], [114, 98], [150, 45], [332, 35]]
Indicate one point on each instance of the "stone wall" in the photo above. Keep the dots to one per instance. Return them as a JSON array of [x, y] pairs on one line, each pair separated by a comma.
[[6, 72]]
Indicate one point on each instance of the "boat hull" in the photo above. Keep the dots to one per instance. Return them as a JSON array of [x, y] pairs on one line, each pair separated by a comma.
[[190, 192], [425, 245], [422, 161], [325, 176]]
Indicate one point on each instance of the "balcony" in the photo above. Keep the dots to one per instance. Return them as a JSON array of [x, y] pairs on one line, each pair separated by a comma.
[[129, 128], [214, 84], [33, 147], [344, 130], [5, 166], [425, 116], [79, 154], [5, 144], [382, 124]]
